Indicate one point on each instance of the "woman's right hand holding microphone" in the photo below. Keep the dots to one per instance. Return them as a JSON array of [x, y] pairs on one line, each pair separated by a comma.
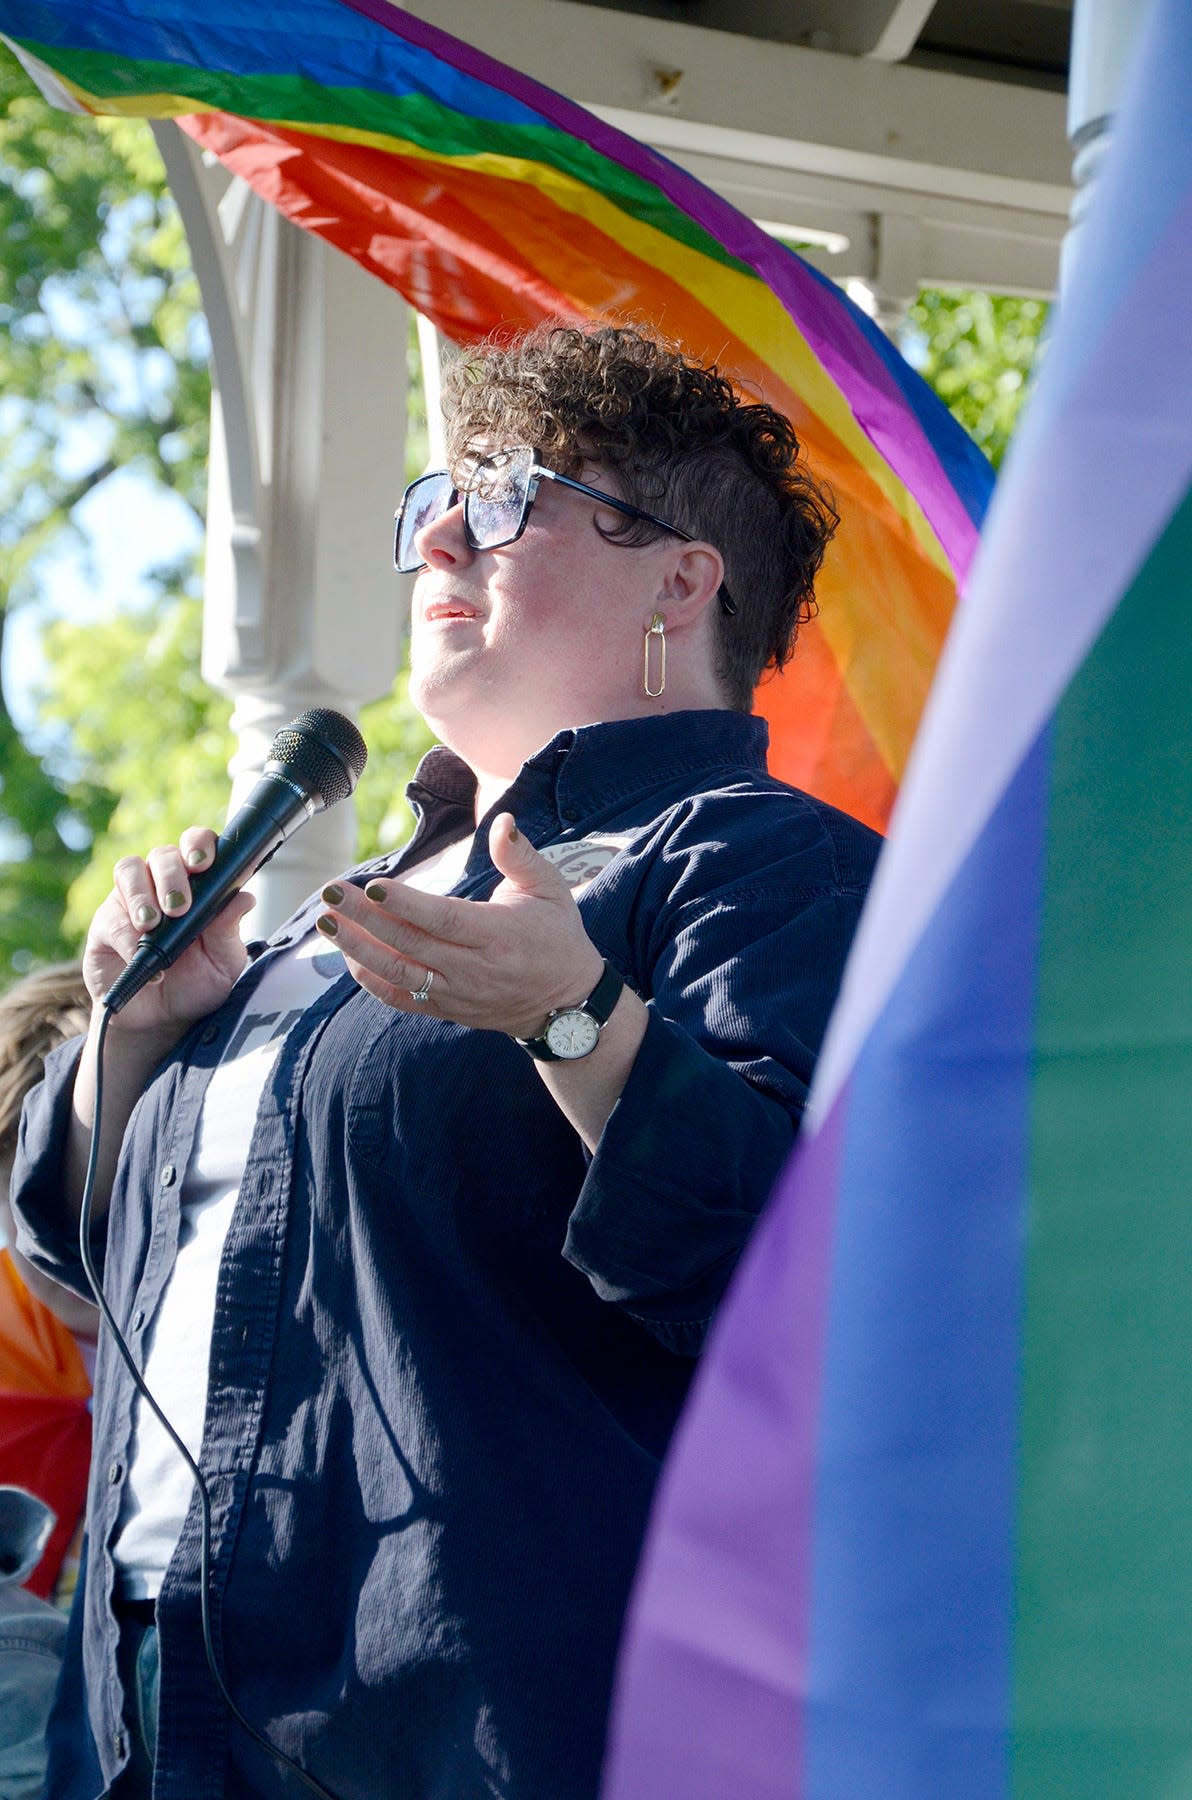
[[146, 891]]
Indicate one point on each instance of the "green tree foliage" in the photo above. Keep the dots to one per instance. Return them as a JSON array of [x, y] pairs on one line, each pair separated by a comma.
[[978, 351], [102, 369], [152, 732], [103, 358]]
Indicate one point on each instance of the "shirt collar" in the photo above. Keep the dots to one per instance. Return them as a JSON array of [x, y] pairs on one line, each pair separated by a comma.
[[581, 771]]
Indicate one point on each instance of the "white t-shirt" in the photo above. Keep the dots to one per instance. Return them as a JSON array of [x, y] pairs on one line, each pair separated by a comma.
[[160, 1485]]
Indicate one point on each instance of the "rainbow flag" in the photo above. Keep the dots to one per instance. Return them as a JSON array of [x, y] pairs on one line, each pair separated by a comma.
[[926, 1529], [490, 203]]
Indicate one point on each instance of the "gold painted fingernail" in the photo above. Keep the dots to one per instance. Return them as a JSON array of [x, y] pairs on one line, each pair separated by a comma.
[[195, 857], [327, 926], [174, 899], [375, 890], [332, 893], [514, 833], [144, 915]]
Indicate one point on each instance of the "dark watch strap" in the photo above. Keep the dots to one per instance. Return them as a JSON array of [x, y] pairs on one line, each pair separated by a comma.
[[604, 995], [598, 1005]]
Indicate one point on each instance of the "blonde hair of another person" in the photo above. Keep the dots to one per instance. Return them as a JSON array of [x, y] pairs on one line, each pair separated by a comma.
[[38, 1012]]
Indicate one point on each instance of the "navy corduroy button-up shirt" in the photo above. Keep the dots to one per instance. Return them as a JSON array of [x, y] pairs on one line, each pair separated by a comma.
[[450, 1345]]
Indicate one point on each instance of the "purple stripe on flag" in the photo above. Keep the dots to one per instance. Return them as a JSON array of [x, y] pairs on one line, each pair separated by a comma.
[[716, 1662], [913, 1583]]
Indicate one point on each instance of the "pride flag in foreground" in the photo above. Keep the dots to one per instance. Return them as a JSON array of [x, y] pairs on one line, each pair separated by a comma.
[[490, 203], [926, 1530]]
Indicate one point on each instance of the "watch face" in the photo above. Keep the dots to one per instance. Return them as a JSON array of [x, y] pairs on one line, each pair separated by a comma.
[[572, 1034]]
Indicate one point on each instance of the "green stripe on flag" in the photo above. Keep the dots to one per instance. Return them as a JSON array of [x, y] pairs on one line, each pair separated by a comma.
[[1103, 1629], [415, 117]]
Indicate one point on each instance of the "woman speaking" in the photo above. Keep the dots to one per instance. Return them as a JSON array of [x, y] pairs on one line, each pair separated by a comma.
[[419, 1215]]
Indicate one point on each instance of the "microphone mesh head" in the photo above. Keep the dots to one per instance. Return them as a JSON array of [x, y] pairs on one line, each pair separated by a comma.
[[323, 752]]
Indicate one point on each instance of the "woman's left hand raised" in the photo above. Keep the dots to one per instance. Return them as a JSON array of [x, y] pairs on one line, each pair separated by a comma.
[[503, 965]]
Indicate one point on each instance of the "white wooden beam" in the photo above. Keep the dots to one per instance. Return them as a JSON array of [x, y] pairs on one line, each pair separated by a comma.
[[968, 179], [1006, 249], [901, 31]]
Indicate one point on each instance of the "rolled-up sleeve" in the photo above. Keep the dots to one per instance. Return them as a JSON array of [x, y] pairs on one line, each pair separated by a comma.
[[741, 981], [680, 1174]]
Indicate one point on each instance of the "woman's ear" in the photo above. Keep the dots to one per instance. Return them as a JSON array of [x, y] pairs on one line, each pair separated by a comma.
[[693, 580]]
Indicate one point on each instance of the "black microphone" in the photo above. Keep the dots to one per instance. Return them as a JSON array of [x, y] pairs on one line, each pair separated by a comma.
[[314, 762]]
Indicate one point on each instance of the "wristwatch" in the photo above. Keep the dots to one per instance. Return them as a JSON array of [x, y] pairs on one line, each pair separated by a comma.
[[574, 1031]]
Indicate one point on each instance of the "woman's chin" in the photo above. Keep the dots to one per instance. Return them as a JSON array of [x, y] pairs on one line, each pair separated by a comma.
[[450, 699]]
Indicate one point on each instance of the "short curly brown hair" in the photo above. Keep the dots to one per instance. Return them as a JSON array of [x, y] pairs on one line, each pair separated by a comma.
[[684, 445]]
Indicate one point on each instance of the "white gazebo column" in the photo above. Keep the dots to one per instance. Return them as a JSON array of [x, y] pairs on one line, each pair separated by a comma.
[[1104, 32], [308, 427], [898, 268]]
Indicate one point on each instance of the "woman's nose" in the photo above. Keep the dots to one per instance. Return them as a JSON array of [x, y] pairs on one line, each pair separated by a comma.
[[443, 542]]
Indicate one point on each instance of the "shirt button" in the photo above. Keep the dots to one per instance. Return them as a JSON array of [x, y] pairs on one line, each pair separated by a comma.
[[138, 1319], [168, 1174], [209, 1035], [114, 1472], [570, 813], [119, 1745]]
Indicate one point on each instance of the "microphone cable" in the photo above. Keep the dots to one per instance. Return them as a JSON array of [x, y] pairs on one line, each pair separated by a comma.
[[126, 1355]]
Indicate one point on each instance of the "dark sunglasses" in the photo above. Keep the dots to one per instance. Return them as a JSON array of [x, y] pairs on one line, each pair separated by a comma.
[[497, 505]]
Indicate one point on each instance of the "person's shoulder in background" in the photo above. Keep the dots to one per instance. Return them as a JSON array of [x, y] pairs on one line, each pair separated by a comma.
[[32, 1637]]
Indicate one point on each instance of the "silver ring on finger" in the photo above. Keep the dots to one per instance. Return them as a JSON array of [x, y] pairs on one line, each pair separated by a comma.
[[423, 993]]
